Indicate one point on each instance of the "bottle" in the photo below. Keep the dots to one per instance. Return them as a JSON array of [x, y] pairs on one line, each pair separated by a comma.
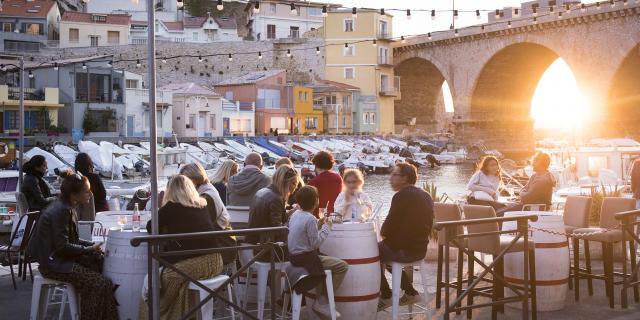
[[354, 213], [135, 219]]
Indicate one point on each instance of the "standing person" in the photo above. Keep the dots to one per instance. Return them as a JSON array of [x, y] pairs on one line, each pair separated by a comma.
[[183, 211], [485, 184], [328, 183], [352, 200], [227, 169], [84, 165], [304, 241], [242, 187], [63, 256], [539, 188], [635, 182], [268, 206], [217, 212], [35, 189], [405, 232]]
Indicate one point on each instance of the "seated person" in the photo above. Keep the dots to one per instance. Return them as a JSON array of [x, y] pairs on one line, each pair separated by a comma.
[[35, 188], [242, 187], [63, 256], [268, 208], [352, 203], [405, 232], [539, 189], [485, 184], [303, 243]]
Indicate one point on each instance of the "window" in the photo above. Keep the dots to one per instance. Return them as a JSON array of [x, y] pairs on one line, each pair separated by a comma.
[[272, 7], [213, 122], [344, 121], [192, 122], [105, 120], [349, 50], [315, 12], [294, 32], [99, 89], [311, 123], [33, 28], [384, 83], [299, 95], [365, 118], [74, 35], [372, 118], [349, 73], [132, 83], [7, 27], [346, 101], [306, 96], [271, 31], [383, 55], [382, 29], [348, 25], [113, 37], [195, 36], [94, 41], [330, 99], [228, 95]]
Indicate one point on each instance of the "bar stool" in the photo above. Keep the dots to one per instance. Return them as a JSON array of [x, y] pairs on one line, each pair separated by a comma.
[[449, 212], [262, 271], [575, 216], [608, 234], [296, 299], [495, 245], [206, 312], [396, 275], [68, 290]]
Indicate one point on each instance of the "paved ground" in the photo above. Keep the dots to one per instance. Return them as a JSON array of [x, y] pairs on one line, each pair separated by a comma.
[[16, 304]]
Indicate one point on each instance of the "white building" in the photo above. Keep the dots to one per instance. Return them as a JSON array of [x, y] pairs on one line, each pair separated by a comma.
[[238, 119], [190, 29], [165, 9], [197, 111], [78, 29], [276, 20], [137, 123]]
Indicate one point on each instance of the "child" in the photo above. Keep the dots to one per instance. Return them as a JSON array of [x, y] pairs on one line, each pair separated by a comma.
[[304, 240], [352, 203]]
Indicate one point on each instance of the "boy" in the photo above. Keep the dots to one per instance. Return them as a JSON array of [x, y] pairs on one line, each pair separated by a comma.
[[304, 240]]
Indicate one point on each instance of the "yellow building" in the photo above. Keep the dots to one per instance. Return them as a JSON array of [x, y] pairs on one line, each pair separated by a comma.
[[40, 105], [359, 53], [305, 118]]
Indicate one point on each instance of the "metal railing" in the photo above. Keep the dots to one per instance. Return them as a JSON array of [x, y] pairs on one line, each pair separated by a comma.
[[384, 60], [383, 34], [267, 249]]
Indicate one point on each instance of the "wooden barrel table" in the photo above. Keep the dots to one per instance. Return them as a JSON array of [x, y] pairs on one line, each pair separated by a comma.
[[356, 244], [126, 266], [552, 261]]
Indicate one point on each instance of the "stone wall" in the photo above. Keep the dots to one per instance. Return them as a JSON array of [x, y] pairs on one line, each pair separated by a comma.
[[301, 66]]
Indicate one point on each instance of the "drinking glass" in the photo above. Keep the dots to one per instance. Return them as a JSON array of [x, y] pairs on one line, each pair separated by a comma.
[[510, 191], [322, 213], [122, 221]]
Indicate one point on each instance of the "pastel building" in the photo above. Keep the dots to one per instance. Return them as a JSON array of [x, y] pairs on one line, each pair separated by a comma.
[[265, 89], [137, 109], [197, 111], [337, 102], [355, 60], [190, 29], [137, 9], [305, 118], [238, 118], [28, 25], [41, 105], [78, 29]]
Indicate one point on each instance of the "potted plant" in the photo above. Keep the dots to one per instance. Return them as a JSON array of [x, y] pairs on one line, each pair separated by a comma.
[[432, 248], [595, 249]]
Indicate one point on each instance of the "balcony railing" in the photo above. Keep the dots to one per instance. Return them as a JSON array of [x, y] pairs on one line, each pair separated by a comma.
[[384, 60], [294, 34], [384, 35], [391, 91], [29, 94], [268, 103]]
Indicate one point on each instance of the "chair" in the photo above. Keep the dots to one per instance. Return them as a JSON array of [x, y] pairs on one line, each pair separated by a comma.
[[608, 234], [262, 270], [296, 300], [37, 307], [87, 211], [630, 222], [448, 212], [22, 205], [19, 240], [239, 216], [396, 275], [576, 215], [487, 238], [206, 312]]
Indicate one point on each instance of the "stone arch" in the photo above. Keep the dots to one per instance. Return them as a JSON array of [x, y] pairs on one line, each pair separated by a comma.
[[421, 95], [624, 96]]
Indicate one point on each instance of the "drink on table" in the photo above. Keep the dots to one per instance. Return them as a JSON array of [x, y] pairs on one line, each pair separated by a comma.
[[135, 219]]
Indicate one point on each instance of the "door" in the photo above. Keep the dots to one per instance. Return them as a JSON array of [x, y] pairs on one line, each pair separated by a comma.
[[202, 124], [130, 121]]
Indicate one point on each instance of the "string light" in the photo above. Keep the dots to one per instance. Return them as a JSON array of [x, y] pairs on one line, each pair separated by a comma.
[[478, 14], [535, 20], [559, 14], [583, 8], [598, 5], [455, 32], [289, 51], [429, 36], [497, 14], [354, 12], [482, 28], [624, 2], [346, 45], [230, 58], [30, 74], [382, 11], [408, 14], [259, 55], [402, 39], [374, 43], [164, 60], [324, 11], [509, 24], [84, 66], [317, 50], [293, 9], [567, 8], [433, 14], [55, 66], [455, 14], [199, 58], [535, 11], [256, 7], [220, 6], [138, 64], [180, 4], [613, 3]]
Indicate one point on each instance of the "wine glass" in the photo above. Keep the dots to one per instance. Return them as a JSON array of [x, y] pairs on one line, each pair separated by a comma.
[[510, 191], [122, 221], [322, 213]]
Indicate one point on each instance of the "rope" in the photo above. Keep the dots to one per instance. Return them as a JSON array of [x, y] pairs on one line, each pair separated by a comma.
[[560, 233]]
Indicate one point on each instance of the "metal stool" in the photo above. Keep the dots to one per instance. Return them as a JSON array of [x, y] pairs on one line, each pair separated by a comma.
[[296, 299], [396, 275], [206, 312], [36, 303]]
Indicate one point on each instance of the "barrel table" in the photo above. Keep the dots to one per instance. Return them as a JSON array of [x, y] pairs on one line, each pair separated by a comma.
[[552, 260], [356, 244], [126, 266]]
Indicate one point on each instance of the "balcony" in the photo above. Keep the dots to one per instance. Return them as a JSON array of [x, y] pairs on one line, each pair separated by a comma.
[[385, 60], [384, 35], [391, 91], [44, 95]]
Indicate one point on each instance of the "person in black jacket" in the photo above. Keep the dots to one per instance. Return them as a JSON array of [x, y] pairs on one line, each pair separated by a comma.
[[405, 231], [84, 165], [268, 206], [35, 189], [63, 256]]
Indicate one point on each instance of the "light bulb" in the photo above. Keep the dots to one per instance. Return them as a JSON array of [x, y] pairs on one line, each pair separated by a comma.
[[230, 57], [402, 39], [84, 66], [55, 66], [455, 32], [559, 14], [180, 4], [30, 74], [478, 14], [374, 43], [138, 64], [259, 55], [164, 60], [382, 11], [289, 52], [433, 14], [429, 35], [354, 12], [324, 11], [256, 7], [455, 14], [317, 50], [583, 8], [613, 3], [508, 24], [199, 58], [567, 8], [220, 6], [598, 5], [408, 14], [535, 20]]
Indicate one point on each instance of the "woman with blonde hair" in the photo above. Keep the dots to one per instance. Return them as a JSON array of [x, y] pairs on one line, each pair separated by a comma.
[[184, 211], [352, 203], [226, 170], [268, 206]]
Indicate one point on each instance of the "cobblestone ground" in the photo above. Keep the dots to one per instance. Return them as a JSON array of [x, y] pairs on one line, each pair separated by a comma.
[[16, 304]]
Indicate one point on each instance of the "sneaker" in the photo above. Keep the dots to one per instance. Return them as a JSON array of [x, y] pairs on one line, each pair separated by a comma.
[[323, 310], [408, 299]]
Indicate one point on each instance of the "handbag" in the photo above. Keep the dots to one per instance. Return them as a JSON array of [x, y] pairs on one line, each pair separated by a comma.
[[93, 261]]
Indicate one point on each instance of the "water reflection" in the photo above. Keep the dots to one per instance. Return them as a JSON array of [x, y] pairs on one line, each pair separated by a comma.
[[450, 179]]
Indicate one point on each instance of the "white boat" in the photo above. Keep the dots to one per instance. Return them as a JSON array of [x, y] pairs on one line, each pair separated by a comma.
[[229, 150], [195, 154], [137, 150], [66, 153], [104, 161], [52, 161], [256, 148], [244, 150]]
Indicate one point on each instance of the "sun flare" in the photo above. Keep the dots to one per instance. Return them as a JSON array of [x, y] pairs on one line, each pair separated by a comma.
[[557, 102]]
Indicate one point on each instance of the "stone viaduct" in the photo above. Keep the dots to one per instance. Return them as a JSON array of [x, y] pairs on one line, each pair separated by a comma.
[[493, 70]]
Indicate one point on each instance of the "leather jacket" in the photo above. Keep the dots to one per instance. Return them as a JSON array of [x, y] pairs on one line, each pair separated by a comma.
[[55, 243], [267, 210], [37, 191]]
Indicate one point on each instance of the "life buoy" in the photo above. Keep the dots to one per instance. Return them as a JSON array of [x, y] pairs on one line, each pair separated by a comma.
[[4, 149]]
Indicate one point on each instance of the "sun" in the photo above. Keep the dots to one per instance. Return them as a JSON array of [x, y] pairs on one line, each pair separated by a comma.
[[557, 101]]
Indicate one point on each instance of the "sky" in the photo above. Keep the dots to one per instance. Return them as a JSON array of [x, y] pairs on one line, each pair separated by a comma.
[[421, 22]]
